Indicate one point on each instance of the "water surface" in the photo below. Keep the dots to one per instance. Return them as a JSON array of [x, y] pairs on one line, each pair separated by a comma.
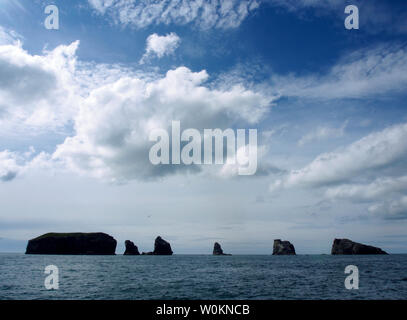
[[203, 277]]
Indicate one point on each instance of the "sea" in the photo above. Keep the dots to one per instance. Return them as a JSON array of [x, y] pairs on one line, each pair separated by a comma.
[[263, 277]]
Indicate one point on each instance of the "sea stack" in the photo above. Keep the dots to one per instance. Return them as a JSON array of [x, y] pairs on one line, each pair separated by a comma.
[[346, 246], [283, 248], [131, 249], [97, 243], [217, 250], [161, 248]]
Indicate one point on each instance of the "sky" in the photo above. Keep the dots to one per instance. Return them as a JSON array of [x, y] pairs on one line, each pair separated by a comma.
[[77, 104]]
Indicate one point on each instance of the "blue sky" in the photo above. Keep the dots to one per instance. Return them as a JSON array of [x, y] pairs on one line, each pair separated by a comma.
[[329, 105]]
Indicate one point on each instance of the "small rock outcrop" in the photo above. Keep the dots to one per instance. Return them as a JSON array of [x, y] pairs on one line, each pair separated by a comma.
[[162, 247], [283, 248], [217, 250], [97, 243], [131, 249], [346, 246]]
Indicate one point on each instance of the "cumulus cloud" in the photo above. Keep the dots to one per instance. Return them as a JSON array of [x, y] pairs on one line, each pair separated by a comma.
[[160, 46], [112, 109], [205, 14], [364, 73], [115, 120], [36, 91]]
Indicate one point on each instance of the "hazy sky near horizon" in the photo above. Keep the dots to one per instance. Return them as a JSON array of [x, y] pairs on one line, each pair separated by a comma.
[[77, 105]]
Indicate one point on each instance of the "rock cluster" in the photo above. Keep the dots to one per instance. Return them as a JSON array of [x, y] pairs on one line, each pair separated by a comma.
[[99, 243]]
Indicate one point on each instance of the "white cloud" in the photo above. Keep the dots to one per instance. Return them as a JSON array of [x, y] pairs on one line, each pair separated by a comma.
[[370, 171], [36, 92], [8, 166], [380, 187], [205, 14], [378, 150], [112, 109], [113, 125], [160, 46], [9, 36], [322, 133], [361, 74]]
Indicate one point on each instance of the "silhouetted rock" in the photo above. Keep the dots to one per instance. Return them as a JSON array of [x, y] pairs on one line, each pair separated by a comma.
[[131, 249], [346, 246], [72, 243], [162, 247], [147, 253], [283, 248], [217, 250]]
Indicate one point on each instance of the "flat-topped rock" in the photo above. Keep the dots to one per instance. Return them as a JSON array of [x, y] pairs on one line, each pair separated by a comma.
[[346, 246], [131, 248], [76, 243], [283, 248], [217, 250]]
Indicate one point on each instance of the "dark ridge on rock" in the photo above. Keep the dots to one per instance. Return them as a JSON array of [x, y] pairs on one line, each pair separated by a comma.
[[217, 250], [131, 249], [346, 246], [283, 248], [77, 243], [162, 247]]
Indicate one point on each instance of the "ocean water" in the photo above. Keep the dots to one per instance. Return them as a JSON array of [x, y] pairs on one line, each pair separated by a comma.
[[203, 277]]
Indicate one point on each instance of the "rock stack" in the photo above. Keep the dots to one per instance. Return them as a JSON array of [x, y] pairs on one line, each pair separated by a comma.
[[283, 248], [161, 248], [346, 246], [131, 249], [217, 250]]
